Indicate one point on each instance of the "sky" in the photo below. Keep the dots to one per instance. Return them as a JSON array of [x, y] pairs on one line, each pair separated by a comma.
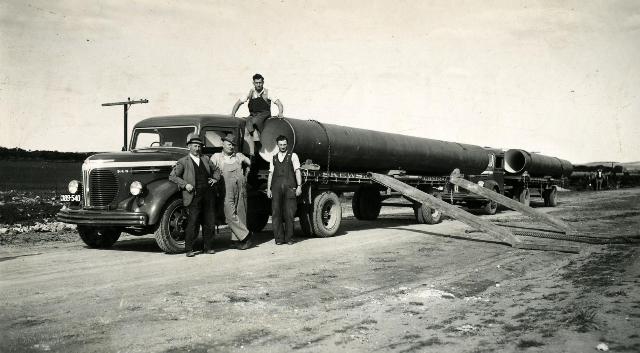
[[557, 77]]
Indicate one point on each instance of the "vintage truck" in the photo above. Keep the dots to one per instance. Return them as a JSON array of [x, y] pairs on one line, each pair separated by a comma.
[[130, 192]]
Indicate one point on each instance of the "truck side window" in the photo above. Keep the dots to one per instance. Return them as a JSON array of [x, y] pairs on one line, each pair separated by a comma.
[[213, 139]]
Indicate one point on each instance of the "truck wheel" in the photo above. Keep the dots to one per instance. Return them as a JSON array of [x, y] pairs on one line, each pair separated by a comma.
[[550, 197], [524, 197], [491, 207], [259, 208], [98, 238], [171, 230], [366, 204], [326, 215], [427, 215]]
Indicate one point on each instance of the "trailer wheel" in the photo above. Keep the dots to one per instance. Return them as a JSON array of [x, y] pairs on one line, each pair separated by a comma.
[[427, 215], [491, 207], [524, 196], [366, 204], [550, 197], [98, 238], [171, 230], [326, 214]]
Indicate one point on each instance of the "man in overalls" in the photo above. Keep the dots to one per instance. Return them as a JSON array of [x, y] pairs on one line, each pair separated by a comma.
[[283, 186], [259, 100], [234, 167]]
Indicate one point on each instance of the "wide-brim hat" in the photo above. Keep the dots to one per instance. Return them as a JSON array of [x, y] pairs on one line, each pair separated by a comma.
[[193, 138], [230, 138]]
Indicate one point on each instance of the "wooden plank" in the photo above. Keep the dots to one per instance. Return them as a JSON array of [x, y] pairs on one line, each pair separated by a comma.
[[512, 204], [499, 233], [549, 247]]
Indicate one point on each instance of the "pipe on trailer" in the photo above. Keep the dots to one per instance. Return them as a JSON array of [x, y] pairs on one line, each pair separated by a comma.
[[518, 161], [336, 147]]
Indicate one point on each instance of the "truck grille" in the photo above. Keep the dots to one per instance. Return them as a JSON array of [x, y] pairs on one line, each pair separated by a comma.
[[103, 187]]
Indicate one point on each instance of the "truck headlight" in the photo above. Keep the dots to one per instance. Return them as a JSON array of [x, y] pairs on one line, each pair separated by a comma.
[[136, 188], [73, 187]]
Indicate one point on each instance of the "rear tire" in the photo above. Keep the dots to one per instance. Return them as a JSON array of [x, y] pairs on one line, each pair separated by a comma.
[[550, 197], [366, 204], [491, 207], [326, 214], [98, 238], [524, 197], [170, 234], [427, 215]]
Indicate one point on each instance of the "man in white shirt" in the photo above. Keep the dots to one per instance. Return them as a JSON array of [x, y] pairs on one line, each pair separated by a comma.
[[259, 99], [283, 186]]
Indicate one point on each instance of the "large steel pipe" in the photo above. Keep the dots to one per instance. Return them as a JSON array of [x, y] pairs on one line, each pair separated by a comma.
[[341, 148], [519, 161]]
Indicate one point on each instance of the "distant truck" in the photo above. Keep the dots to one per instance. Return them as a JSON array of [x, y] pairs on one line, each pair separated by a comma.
[[130, 192]]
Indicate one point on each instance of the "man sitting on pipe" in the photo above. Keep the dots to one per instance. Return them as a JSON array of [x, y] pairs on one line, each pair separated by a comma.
[[259, 110]]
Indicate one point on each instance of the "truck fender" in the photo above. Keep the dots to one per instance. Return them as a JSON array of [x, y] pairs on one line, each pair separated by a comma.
[[157, 193]]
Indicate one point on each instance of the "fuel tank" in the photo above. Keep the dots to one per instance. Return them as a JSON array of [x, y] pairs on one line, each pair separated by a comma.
[[341, 148], [518, 161]]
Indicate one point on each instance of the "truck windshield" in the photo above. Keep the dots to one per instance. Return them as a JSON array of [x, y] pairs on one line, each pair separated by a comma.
[[166, 136]]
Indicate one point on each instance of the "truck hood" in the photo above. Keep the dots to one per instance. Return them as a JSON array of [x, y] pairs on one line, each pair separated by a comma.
[[146, 157]]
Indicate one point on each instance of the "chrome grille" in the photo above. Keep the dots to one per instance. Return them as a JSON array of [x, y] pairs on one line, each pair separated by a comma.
[[103, 187]]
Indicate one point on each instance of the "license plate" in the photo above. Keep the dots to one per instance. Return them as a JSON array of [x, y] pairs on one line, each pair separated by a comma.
[[69, 198]]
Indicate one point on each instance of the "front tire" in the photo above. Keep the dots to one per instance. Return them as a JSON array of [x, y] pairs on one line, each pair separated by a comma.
[[326, 215], [98, 238], [170, 234]]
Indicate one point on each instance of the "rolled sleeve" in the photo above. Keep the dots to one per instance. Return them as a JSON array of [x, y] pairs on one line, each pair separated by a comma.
[[295, 161]]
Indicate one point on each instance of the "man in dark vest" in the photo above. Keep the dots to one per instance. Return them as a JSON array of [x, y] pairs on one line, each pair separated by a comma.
[[195, 175], [283, 186], [259, 99]]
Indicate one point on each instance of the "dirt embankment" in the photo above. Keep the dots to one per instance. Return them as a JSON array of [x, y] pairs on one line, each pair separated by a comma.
[[385, 285]]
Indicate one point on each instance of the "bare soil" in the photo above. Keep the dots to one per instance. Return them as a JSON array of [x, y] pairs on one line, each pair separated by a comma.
[[385, 285]]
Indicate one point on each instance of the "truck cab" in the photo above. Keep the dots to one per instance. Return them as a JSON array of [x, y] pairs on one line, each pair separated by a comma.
[[130, 191]]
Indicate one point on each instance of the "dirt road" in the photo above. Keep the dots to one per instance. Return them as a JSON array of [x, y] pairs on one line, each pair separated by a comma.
[[385, 285]]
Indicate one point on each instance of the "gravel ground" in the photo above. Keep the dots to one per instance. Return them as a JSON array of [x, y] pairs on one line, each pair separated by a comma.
[[388, 285]]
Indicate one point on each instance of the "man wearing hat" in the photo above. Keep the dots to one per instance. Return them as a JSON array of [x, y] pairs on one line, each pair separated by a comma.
[[195, 175], [234, 167]]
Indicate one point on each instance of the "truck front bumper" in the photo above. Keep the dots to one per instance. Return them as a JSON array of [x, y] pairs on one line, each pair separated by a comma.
[[101, 217]]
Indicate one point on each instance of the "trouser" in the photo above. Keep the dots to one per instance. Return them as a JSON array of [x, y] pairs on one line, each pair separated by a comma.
[[235, 207], [255, 121], [201, 211], [599, 184], [283, 204]]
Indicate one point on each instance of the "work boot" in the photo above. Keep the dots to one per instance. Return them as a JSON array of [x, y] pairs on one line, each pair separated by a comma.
[[190, 254], [210, 252], [246, 243]]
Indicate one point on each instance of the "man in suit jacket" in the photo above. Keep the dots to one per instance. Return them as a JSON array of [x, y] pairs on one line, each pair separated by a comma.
[[195, 175]]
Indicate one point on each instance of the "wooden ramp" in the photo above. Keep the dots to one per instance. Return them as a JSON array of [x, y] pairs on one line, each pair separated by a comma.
[[501, 234]]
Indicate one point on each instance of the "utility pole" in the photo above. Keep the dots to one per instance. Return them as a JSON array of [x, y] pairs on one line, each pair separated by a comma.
[[126, 105]]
